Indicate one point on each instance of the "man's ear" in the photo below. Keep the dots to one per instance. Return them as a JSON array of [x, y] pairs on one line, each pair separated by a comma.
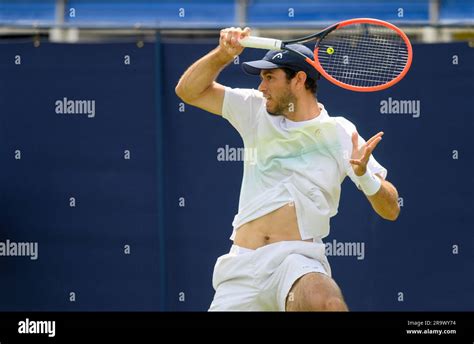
[[301, 77]]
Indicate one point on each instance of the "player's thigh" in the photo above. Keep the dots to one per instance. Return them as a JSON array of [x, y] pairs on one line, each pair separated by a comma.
[[315, 291]]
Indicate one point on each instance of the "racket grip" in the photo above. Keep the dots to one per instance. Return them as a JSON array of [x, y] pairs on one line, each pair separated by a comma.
[[261, 43]]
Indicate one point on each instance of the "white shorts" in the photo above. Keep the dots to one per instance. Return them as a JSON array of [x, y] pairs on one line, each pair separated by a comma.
[[260, 280]]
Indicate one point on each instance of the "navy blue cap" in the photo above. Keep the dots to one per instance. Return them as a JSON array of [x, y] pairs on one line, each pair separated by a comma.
[[284, 58]]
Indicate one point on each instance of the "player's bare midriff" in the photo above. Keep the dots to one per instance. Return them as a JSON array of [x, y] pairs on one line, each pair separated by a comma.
[[279, 225]]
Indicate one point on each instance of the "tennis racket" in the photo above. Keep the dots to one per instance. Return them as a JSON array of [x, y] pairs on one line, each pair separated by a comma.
[[362, 54]]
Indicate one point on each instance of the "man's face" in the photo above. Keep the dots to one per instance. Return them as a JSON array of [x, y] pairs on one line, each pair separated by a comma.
[[276, 88]]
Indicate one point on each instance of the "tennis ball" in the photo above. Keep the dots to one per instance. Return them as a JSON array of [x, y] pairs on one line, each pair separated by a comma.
[[330, 50]]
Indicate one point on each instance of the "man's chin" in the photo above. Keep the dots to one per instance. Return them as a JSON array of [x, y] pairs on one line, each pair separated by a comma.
[[271, 111]]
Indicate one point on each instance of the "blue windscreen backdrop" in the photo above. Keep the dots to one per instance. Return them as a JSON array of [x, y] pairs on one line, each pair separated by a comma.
[[121, 188]]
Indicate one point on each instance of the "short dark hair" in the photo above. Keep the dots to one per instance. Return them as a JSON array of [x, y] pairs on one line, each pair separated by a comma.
[[310, 84]]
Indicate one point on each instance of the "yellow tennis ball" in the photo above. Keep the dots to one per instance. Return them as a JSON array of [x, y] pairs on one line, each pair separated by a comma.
[[330, 50]]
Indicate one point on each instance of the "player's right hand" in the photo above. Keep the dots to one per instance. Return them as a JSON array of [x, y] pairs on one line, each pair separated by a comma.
[[229, 40]]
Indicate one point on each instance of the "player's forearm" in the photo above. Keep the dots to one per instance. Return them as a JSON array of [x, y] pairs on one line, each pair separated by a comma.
[[201, 74], [385, 201]]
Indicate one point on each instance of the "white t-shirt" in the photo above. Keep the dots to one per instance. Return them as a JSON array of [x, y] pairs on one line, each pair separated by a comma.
[[303, 163]]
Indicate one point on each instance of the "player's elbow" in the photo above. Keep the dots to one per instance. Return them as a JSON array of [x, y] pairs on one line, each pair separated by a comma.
[[391, 217], [180, 92], [392, 214]]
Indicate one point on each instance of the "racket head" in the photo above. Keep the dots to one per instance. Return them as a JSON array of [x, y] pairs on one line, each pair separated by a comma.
[[363, 55]]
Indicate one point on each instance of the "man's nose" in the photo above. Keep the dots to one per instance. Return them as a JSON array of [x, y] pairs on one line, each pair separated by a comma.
[[262, 87]]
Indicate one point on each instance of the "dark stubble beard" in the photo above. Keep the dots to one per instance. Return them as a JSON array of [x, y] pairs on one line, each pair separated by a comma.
[[284, 103]]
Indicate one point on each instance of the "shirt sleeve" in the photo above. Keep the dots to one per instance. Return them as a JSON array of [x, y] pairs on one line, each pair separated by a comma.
[[345, 130], [241, 108]]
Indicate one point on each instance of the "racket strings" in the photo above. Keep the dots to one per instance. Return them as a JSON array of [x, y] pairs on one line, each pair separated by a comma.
[[363, 55]]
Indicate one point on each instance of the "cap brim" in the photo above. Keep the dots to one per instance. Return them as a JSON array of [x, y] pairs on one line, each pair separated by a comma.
[[254, 67]]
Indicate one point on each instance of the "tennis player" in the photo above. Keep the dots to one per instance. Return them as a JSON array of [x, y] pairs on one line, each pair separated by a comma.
[[277, 260]]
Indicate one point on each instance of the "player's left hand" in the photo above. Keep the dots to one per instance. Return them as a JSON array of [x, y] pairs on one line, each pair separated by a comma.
[[360, 156]]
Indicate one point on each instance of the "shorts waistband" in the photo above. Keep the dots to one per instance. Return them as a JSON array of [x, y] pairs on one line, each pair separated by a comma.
[[240, 250]]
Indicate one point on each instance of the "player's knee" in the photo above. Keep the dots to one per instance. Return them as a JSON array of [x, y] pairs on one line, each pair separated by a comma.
[[315, 303], [335, 304], [331, 304], [316, 292]]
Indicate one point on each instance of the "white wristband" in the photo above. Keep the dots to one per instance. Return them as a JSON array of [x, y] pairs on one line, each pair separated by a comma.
[[369, 183]]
